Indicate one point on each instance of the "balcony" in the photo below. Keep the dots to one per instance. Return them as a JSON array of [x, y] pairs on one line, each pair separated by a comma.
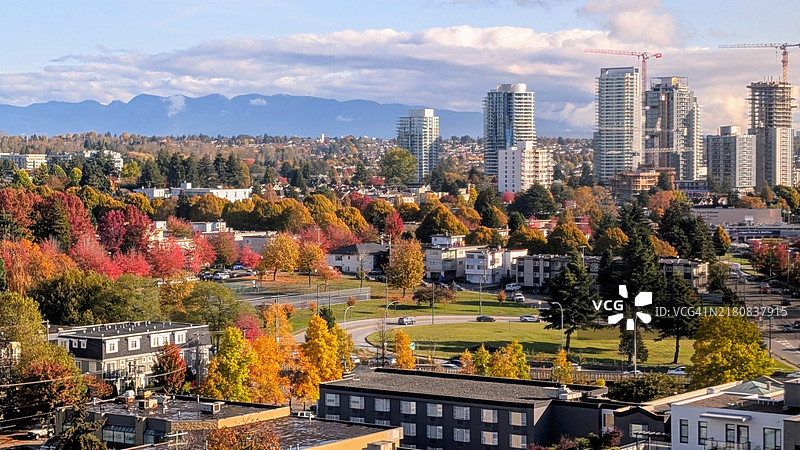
[[711, 444]]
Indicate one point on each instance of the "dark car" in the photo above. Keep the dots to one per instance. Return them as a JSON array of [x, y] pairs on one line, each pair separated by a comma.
[[485, 319]]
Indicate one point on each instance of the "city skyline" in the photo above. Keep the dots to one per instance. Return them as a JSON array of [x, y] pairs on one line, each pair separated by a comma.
[[444, 58]]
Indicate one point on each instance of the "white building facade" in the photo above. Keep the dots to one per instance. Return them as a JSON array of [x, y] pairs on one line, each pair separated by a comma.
[[618, 138], [732, 158], [508, 118], [771, 124], [522, 165], [419, 134]]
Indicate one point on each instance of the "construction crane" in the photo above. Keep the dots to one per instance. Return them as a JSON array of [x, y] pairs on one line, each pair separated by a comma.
[[644, 56], [780, 46]]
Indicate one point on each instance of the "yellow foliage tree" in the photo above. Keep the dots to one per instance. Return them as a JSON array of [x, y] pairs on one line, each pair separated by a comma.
[[322, 349], [267, 385], [613, 240], [467, 364], [402, 348], [229, 370], [280, 254], [662, 248], [481, 360], [305, 380], [310, 257], [406, 266], [562, 369]]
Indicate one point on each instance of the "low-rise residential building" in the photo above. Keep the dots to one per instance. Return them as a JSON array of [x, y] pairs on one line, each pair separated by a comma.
[[445, 257], [28, 162], [185, 422], [693, 271], [10, 353], [358, 258], [186, 189], [759, 414], [455, 411], [492, 266], [125, 352]]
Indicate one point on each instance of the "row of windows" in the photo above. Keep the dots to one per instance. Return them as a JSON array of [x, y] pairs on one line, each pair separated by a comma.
[[357, 402], [733, 434]]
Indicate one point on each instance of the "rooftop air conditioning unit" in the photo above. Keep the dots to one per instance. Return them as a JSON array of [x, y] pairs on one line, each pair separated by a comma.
[[211, 408]]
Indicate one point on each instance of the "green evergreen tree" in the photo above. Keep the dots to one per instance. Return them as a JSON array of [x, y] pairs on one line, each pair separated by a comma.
[[536, 200], [151, 175], [3, 285], [516, 221], [679, 295], [626, 346], [572, 288]]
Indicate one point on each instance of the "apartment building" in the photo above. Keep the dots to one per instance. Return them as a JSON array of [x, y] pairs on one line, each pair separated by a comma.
[[492, 266], [445, 257]]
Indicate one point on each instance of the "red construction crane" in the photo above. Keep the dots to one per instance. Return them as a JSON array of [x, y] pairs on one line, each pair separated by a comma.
[[644, 56], [781, 46]]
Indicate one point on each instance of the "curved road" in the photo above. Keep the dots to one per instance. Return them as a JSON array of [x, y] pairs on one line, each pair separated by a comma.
[[360, 329]]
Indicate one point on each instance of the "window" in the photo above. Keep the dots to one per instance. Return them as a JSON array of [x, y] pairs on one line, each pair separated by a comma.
[[83, 343], [742, 434], [772, 439], [489, 415], [382, 422], [331, 399], [74, 343], [134, 343], [111, 346], [730, 432], [637, 428], [517, 440], [408, 407], [409, 428], [684, 426], [356, 419], [518, 419], [702, 432], [332, 416], [434, 410], [460, 413], [382, 404], [489, 437], [122, 435], [159, 340], [461, 434], [434, 431], [356, 402], [180, 338]]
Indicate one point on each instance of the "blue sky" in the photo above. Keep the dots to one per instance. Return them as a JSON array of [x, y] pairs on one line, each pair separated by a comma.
[[440, 53]]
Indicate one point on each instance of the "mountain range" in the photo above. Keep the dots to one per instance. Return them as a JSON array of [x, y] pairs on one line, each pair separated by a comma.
[[251, 114]]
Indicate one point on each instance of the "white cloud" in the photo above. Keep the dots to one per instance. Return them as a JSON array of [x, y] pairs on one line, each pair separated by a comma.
[[175, 104], [258, 102], [343, 118], [445, 68]]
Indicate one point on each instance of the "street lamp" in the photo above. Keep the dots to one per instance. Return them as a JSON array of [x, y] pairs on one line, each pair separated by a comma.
[[562, 322], [385, 313], [484, 252], [345, 316], [317, 302]]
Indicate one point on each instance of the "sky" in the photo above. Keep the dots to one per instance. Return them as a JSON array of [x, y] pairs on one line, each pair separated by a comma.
[[438, 53]]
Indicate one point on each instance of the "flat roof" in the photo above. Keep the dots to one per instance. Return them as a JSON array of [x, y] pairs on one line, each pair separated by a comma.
[[738, 402], [457, 386], [109, 330], [179, 410], [298, 431]]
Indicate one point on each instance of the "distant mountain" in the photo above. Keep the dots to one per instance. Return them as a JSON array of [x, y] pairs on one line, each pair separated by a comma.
[[245, 114]]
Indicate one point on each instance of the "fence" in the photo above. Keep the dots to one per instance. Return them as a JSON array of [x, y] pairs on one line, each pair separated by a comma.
[[305, 300]]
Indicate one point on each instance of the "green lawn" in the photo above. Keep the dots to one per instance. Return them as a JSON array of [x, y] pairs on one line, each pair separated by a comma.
[[449, 340]]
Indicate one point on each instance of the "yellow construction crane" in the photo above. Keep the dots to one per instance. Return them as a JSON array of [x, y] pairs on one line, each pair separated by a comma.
[[781, 46]]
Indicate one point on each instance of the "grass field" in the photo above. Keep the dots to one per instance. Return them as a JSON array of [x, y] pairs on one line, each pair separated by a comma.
[[448, 340]]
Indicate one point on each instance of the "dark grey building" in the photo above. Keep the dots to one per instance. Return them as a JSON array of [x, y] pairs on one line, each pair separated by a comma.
[[453, 411], [125, 352]]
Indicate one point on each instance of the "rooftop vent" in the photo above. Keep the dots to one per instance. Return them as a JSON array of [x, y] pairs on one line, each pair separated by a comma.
[[211, 408]]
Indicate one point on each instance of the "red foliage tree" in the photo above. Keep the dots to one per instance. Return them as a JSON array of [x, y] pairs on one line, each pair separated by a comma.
[[170, 368], [250, 326], [166, 258], [90, 255], [200, 254], [313, 233], [137, 230], [44, 397], [248, 257], [507, 197], [111, 229], [225, 249], [178, 228], [19, 203], [394, 226], [358, 200], [132, 262], [339, 237]]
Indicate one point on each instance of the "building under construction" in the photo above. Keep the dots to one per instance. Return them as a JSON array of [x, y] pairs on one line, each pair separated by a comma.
[[771, 124]]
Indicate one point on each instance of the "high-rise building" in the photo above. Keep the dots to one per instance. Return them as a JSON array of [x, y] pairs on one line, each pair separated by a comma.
[[522, 165], [673, 127], [771, 124], [618, 138], [732, 159], [507, 119], [419, 134]]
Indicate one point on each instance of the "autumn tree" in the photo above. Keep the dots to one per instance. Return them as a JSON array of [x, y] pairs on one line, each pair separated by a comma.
[[613, 240], [439, 221], [268, 384], [566, 236], [427, 295], [402, 348], [310, 258], [529, 238], [398, 166], [406, 266], [321, 348], [47, 362], [467, 363], [509, 361], [226, 251], [345, 347], [281, 253], [728, 348], [252, 436], [165, 258], [721, 241], [481, 361], [484, 236], [229, 370], [562, 369], [169, 370], [377, 212]]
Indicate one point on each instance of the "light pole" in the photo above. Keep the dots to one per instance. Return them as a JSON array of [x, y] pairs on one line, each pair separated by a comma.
[[384, 338], [345, 316], [317, 302], [433, 303], [562, 322], [484, 252]]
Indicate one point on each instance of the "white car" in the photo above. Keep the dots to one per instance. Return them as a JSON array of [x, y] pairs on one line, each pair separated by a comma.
[[793, 375], [40, 432], [513, 286], [528, 318], [633, 372], [680, 370], [518, 297]]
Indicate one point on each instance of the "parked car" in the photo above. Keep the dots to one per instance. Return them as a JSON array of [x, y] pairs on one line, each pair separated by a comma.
[[528, 318], [381, 361], [451, 364], [222, 275], [376, 275], [355, 359], [306, 414], [787, 328], [40, 431], [513, 286], [680, 370], [518, 297], [406, 321], [485, 319], [793, 375], [786, 302]]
